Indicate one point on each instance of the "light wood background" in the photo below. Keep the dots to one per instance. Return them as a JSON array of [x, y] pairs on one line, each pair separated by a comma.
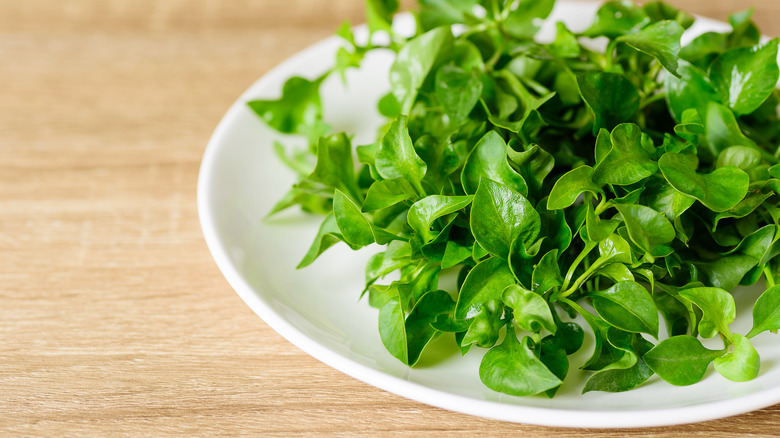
[[114, 320]]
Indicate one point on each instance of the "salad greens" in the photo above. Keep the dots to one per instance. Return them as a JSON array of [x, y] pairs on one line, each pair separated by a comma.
[[556, 180]]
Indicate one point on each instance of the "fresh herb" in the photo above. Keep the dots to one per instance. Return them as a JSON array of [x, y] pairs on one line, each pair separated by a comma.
[[556, 180]]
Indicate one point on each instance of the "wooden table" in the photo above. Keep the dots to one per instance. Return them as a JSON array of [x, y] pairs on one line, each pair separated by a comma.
[[114, 320]]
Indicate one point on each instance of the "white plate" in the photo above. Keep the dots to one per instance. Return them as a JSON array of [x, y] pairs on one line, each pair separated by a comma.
[[317, 308]]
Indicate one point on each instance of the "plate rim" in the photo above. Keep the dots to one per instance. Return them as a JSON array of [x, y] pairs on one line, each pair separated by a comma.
[[515, 413]]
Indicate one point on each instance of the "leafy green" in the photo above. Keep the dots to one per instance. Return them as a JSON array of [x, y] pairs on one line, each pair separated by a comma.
[[627, 161], [648, 229], [766, 312], [719, 190], [489, 159], [298, 111], [484, 283], [718, 309], [531, 311], [513, 368], [544, 180], [570, 186], [627, 306], [746, 76], [413, 64], [680, 360], [740, 365], [661, 40], [611, 97], [500, 216]]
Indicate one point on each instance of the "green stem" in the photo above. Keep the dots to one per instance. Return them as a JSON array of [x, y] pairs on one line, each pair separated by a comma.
[[496, 56], [496, 9], [652, 99], [582, 278], [419, 189], [610, 55], [588, 248], [603, 205], [769, 277]]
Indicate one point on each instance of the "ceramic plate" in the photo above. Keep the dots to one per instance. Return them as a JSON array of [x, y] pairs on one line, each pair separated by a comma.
[[318, 310]]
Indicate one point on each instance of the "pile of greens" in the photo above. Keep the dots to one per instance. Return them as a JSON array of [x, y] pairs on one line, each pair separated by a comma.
[[556, 180]]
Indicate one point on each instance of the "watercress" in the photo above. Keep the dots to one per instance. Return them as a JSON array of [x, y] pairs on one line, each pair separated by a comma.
[[555, 181]]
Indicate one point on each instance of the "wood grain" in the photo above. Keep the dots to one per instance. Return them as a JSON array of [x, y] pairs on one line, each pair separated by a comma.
[[114, 320]]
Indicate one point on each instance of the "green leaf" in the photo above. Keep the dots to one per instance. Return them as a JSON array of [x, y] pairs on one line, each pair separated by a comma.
[[675, 313], [530, 310], [570, 186], [740, 365], [659, 11], [627, 161], [611, 97], [310, 199], [719, 190], [615, 249], [553, 356], [488, 160], [514, 369], [742, 157], [744, 31], [355, 228], [298, 111], [392, 329], [598, 229], [617, 272], [327, 236], [379, 14], [569, 336], [617, 378], [387, 192], [380, 264], [485, 325], [528, 118], [419, 331], [726, 272], [458, 91], [388, 106], [616, 18], [627, 306], [565, 44], [554, 226], [648, 229], [661, 40], [746, 76], [455, 254], [547, 274], [722, 130], [424, 212], [524, 20], [604, 353], [396, 157], [703, 46], [717, 306], [434, 13], [486, 282], [441, 158], [413, 63], [334, 165], [691, 90], [680, 360], [766, 312], [499, 216], [416, 280], [533, 164]]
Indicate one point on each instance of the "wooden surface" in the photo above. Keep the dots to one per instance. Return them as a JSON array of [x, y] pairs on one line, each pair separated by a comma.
[[114, 320]]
